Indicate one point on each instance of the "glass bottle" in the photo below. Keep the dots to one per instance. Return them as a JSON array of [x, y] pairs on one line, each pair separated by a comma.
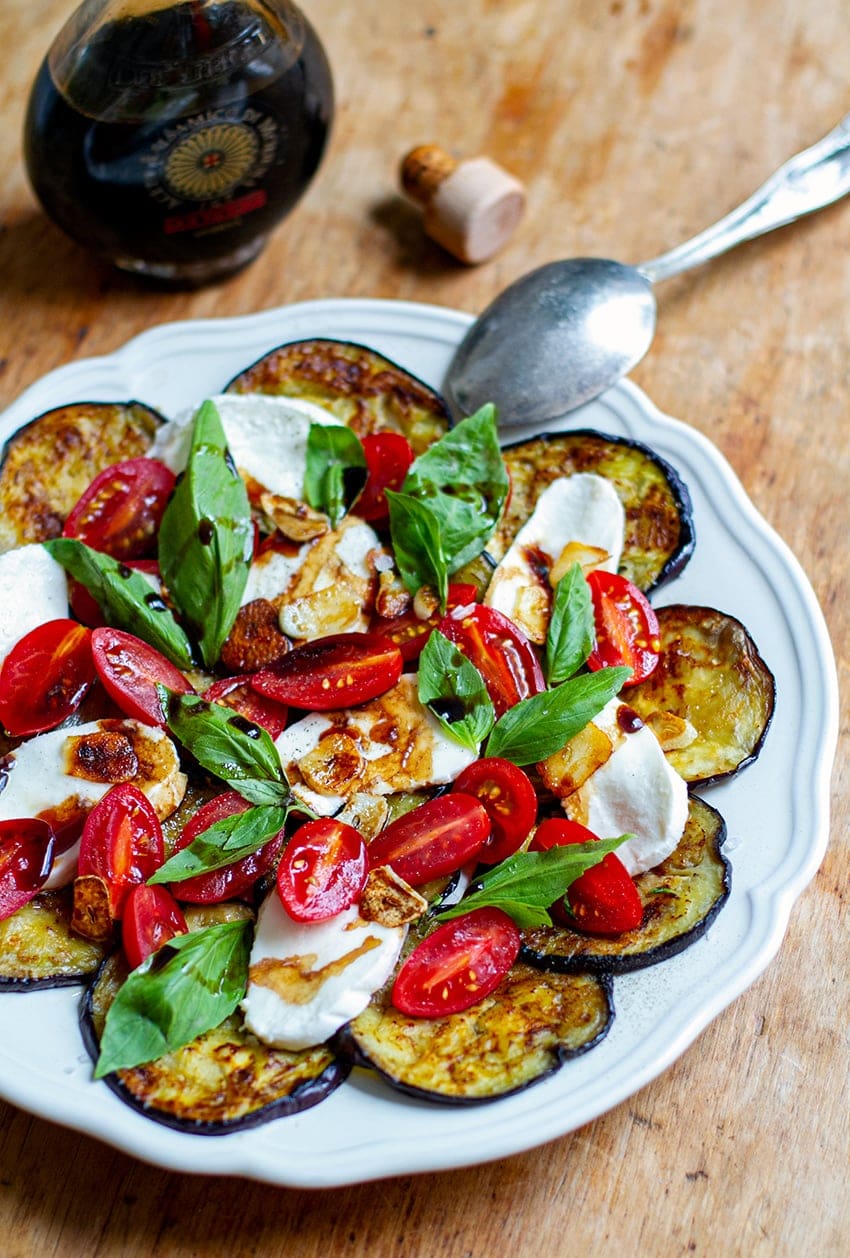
[[172, 137]]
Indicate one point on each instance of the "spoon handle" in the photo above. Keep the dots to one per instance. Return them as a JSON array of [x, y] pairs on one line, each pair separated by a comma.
[[814, 178]]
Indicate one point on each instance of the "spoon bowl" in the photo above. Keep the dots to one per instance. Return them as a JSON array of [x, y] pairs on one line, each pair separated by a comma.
[[567, 331]]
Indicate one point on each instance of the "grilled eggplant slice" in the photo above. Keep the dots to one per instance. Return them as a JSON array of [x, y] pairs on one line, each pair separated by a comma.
[[224, 1081], [659, 537], [47, 464], [522, 1033], [362, 388], [681, 897], [713, 681], [38, 949]]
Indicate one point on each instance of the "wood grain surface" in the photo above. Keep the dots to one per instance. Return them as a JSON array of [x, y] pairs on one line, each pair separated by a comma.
[[633, 123]]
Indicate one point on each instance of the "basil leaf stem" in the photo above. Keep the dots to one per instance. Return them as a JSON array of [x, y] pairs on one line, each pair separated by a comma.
[[336, 469], [206, 537], [527, 883], [190, 985], [569, 640], [453, 689], [540, 725], [124, 596]]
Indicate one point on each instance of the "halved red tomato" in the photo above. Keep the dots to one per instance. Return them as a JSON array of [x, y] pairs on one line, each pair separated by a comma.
[[462, 962], [233, 881], [151, 917], [338, 671], [121, 843], [508, 798], [130, 671], [45, 677], [322, 871], [26, 858], [626, 626], [236, 693], [388, 457], [121, 510], [436, 838], [410, 633], [499, 650], [603, 900]]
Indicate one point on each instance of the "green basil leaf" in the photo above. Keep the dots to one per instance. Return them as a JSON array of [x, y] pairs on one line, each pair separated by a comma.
[[463, 479], [191, 984], [336, 469], [569, 640], [529, 882], [539, 726], [228, 745], [206, 537], [418, 544], [124, 596], [223, 843], [454, 690]]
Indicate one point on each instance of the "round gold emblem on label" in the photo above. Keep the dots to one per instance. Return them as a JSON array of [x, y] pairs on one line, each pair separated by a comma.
[[211, 161]]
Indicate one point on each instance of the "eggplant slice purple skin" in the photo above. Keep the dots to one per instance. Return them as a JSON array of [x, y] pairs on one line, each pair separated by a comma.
[[681, 898], [38, 949], [245, 1084], [362, 388], [660, 535], [47, 464], [711, 676], [519, 1035]]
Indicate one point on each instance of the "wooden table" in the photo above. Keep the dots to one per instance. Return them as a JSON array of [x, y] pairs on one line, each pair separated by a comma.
[[633, 123]]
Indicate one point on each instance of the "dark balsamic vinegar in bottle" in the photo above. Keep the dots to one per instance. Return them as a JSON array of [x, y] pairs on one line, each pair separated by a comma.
[[172, 137]]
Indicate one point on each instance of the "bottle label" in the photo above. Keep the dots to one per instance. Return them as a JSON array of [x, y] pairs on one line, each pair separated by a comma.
[[206, 158]]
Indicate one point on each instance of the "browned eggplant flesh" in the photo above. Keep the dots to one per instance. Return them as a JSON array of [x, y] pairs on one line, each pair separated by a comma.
[[523, 1032], [659, 536], [681, 897], [47, 464], [362, 388], [39, 949], [710, 698]]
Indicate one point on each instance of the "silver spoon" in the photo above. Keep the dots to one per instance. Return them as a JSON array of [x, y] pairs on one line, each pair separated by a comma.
[[562, 334]]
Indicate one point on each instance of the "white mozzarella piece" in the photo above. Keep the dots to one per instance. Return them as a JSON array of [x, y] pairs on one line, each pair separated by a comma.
[[635, 791], [38, 782], [33, 590], [267, 438], [581, 508], [421, 753], [306, 980], [271, 573]]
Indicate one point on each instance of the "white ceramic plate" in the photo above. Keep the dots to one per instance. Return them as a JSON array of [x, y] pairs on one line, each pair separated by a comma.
[[776, 811]]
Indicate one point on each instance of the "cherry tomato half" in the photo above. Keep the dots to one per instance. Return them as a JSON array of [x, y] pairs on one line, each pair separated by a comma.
[[233, 881], [130, 671], [508, 798], [626, 626], [121, 843], [388, 456], [121, 510], [45, 677], [26, 858], [461, 963], [410, 633], [338, 671], [322, 871], [499, 650], [151, 917], [603, 900], [436, 838], [236, 693]]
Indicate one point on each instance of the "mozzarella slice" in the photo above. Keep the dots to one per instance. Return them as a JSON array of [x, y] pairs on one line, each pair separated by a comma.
[[581, 508], [635, 790], [306, 980], [61, 775], [266, 436], [392, 743], [33, 590]]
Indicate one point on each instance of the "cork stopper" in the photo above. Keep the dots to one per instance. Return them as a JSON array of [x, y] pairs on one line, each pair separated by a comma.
[[471, 208]]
